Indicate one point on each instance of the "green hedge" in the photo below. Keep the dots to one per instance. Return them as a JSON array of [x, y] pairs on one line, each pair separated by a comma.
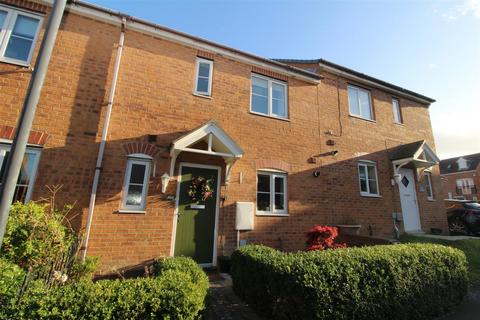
[[177, 292], [417, 281]]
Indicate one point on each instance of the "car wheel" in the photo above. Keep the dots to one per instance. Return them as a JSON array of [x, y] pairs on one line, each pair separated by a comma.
[[457, 227]]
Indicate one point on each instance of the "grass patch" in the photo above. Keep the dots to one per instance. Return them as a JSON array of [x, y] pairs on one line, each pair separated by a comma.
[[471, 248]]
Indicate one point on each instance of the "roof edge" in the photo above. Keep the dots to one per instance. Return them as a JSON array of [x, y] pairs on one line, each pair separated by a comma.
[[341, 69], [106, 15]]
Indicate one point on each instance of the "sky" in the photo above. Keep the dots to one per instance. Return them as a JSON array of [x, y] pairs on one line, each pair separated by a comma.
[[430, 47]]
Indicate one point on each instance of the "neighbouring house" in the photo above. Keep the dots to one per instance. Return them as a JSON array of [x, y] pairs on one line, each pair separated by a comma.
[[461, 177], [200, 132]]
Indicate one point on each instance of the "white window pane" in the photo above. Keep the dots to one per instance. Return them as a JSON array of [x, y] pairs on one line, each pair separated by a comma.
[[202, 85], [18, 48], [362, 172], [27, 169], [396, 111], [372, 175], [278, 107], [260, 104], [263, 183], [25, 27], [263, 201], [372, 184], [365, 109], [278, 91], [260, 86], [21, 40], [134, 195], [353, 101], [279, 202], [204, 69], [3, 17], [279, 183], [137, 173], [363, 185]]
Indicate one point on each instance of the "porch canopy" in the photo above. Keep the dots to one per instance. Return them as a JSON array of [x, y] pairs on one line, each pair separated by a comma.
[[208, 139], [415, 155]]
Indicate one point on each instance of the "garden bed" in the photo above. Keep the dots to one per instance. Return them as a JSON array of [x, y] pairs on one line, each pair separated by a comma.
[[177, 290], [417, 281]]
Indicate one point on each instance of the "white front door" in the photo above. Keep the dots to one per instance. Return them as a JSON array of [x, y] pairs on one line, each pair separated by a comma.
[[408, 199]]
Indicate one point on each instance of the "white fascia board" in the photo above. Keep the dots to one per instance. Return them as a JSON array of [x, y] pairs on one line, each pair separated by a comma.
[[371, 83], [177, 38]]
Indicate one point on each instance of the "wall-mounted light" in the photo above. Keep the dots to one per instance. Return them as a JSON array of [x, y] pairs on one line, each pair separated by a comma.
[[165, 180], [316, 174], [398, 178]]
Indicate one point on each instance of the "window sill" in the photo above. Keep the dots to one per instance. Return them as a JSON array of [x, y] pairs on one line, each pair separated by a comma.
[[431, 199], [268, 116], [399, 124], [131, 211], [196, 94], [370, 195], [365, 119], [266, 214], [16, 63]]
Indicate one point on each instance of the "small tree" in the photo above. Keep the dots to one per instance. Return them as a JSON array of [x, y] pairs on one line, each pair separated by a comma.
[[322, 237]]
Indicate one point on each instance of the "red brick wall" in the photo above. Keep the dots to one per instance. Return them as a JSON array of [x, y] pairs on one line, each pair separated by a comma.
[[450, 183], [154, 97]]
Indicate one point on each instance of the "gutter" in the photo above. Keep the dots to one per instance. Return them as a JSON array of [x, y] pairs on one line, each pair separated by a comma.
[[146, 27], [101, 149], [347, 75]]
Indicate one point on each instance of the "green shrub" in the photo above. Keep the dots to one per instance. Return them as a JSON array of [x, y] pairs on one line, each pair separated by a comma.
[[381, 282], [172, 294], [35, 234], [11, 279]]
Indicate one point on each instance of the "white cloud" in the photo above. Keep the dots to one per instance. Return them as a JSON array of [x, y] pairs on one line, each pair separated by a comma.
[[467, 7]]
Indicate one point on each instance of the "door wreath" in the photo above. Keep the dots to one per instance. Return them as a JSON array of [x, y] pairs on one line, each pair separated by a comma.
[[200, 189]]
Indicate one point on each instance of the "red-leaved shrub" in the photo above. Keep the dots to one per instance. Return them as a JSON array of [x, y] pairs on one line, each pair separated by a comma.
[[322, 237]]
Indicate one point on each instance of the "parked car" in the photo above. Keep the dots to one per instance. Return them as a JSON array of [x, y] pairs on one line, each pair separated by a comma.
[[463, 217]]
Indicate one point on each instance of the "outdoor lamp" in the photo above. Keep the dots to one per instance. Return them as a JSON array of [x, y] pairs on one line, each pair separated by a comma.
[[165, 180], [398, 178]]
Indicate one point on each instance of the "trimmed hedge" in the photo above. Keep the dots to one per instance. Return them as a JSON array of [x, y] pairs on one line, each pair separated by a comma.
[[178, 291], [414, 281]]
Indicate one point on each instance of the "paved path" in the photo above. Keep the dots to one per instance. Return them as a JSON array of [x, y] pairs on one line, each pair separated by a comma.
[[469, 309], [223, 304]]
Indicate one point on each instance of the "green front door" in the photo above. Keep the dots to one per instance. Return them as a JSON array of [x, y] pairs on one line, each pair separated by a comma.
[[197, 201]]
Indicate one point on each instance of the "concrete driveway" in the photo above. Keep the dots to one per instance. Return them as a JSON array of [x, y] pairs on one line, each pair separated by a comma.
[[469, 309]]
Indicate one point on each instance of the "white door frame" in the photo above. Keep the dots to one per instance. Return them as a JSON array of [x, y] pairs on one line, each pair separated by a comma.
[[415, 200], [217, 207]]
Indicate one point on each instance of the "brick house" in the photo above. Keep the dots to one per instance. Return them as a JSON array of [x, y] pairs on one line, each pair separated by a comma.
[[461, 177], [199, 131]]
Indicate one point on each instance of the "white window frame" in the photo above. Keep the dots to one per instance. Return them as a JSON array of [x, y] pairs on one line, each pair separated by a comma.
[[370, 104], [141, 159], [6, 33], [366, 164], [197, 75], [272, 175], [428, 180], [6, 148], [270, 81], [397, 111]]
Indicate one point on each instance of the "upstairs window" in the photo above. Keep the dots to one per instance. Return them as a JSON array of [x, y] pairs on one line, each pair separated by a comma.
[[359, 102], [203, 79], [397, 113], [268, 97], [136, 182], [28, 172], [271, 193], [428, 185], [18, 35], [367, 174]]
